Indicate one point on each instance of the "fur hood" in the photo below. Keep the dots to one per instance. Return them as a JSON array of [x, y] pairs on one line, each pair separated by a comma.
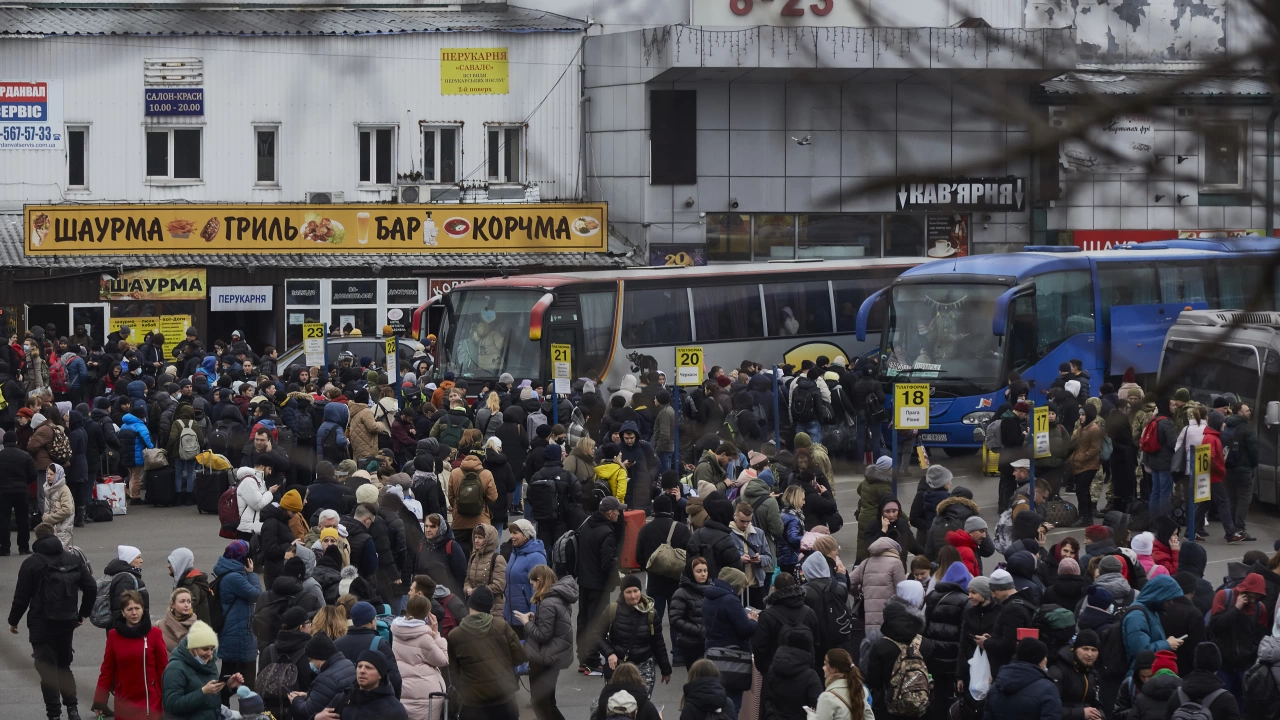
[[960, 503]]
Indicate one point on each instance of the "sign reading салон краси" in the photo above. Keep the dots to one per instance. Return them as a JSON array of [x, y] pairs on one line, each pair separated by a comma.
[[268, 229]]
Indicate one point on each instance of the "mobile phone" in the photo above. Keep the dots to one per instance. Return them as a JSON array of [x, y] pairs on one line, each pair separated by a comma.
[[1184, 637]]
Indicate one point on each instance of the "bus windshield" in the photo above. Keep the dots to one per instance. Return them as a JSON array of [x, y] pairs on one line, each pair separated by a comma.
[[1228, 369], [942, 334], [488, 334]]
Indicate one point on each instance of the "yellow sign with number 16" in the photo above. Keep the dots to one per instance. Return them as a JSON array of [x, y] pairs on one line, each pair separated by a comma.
[[912, 402], [1204, 459]]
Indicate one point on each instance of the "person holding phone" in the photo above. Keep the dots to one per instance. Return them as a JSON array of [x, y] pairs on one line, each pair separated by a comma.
[[335, 676], [191, 681], [549, 632]]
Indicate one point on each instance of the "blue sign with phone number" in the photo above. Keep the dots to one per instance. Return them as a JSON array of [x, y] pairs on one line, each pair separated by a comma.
[[174, 101]]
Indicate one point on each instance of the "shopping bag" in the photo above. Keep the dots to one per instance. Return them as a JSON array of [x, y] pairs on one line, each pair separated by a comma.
[[113, 494], [979, 674]]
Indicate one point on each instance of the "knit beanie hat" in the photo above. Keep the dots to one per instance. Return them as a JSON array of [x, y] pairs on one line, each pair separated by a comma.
[[1099, 597], [1186, 581], [974, 523], [201, 635], [1097, 533], [1165, 660], [320, 647], [291, 501], [1068, 566], [1086, 638], [1031, 650], [1110, 564], [1001, 580], [1207, 656], [367, 493], [937, 476], [982, 586]]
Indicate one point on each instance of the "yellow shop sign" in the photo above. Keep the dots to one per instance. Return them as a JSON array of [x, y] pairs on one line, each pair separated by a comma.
[[155, 284]]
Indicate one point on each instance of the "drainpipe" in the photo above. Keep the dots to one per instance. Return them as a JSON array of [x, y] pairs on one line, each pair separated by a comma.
[[1271, 168]]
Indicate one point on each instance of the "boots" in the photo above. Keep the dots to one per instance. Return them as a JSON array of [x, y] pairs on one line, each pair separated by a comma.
[[73, 709], [79, 517], [52, 703]]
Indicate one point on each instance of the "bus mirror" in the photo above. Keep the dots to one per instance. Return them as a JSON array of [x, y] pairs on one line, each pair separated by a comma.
[[1273, 413]]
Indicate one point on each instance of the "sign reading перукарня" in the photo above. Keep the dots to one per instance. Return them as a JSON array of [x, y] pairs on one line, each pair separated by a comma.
[[1004, 194]]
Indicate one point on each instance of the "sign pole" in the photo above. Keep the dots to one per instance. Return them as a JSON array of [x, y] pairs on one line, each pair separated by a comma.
[[777, 419], [393, 365], [1031, 477], [893, 445], [688, 374], [676, 463], [561, 374]]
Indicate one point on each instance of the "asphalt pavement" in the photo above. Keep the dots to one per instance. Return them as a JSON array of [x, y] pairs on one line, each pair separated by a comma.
[[157, 531]]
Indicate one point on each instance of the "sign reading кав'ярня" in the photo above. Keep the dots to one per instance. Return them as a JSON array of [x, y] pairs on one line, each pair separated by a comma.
[[138, 229]]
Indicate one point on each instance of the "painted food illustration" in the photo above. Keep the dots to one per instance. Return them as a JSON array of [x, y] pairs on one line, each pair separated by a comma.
[[586, 225], [456, 227], [210, 230], [180, 228], [321, 229], [40, 224]]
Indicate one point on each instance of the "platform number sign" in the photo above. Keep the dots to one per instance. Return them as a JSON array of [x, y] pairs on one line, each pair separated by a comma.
[[562, 367], [313, 343], [392, 346], [1204, 459], [689, 366], [912, 403], [1041, 418]]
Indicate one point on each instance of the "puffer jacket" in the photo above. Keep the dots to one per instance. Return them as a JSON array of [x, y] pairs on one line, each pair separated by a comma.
[[950, 515], [703, 698], [944, 616], [338, 676], [252, 497], [183, 682], [550, 636], [633, 638], [1077, 685], [335, 421], [615, 476], [471, 463], [686, 618], [141, 435], [1142, 628], [1024, 691], [792, 533], [519, 595], [486, 566], [362, 430], [877, 578], [59, 506], [790, 685], [125, 577], [238, 591], [785, 610], [420, 653], [724, 621], [275, 539], [876, 483], [1086, 448]]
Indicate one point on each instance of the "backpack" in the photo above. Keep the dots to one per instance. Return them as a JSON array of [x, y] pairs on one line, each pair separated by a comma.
[[1107, 447], [285, 437], [449, 621], [826, 414], [804, 403], [279, 678], [60, 588], [228, 513], [58, 376], [1150, 441], [332, 451], [535, 420], [543, 498], [1227, 601], [835, 621], [101, 616], [470, 495], [874, 408], [267, 618], [1261, 686], [188, 441], [60, 447], [451, 434], [219, 440], [306, 427], [1191, 710], [564, 554], [1112, 656], [1003, 535], [728, 430], [993, 441], [1231, 447], [909, 683]]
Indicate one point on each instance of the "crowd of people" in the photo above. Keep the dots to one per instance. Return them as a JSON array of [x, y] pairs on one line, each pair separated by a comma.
[[402, 548]]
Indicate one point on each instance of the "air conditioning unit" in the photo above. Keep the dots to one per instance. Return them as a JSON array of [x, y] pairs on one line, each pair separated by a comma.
[[325, 197], [413, 194]]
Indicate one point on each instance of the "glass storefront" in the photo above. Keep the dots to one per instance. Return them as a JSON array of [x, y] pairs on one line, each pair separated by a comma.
[[366, 305], [770, 236]]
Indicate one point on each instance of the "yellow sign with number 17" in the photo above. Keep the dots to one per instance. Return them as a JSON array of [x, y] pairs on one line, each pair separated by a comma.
[[1041, 419], [912, 402]]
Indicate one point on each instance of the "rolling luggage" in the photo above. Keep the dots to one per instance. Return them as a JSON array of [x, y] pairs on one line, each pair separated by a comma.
[[210, 484], [159, 485], [633, 521]]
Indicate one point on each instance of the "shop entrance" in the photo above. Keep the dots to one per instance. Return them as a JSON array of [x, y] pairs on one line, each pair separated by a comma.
[[66, 318], [257, 326]]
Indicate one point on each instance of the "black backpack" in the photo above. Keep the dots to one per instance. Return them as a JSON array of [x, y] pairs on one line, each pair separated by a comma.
[[835, 620], [804, 403], [1112, 656], [1262, 685], [333, 452], [306, 427], [219, 440], [1232, 447], [59, 591], [543, 497]]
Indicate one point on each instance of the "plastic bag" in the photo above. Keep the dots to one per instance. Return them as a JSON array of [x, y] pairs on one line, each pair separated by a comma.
[[979, 674]]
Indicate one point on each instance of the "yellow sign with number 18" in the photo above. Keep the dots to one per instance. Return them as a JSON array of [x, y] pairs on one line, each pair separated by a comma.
[[912, 402]]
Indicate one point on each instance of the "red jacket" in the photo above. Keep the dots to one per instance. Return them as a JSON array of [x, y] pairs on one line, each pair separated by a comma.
[[132, 669], [1164, 556], [1217, 461], [963, 542]]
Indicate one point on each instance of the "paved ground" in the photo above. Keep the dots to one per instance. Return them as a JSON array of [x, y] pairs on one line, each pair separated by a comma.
[[157, 531]]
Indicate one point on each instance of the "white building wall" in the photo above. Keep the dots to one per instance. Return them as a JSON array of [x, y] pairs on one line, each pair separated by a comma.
[[317, 89]]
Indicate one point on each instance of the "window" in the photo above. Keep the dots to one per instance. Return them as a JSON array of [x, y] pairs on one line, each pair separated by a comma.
[[1237, 282], [727, 312], [1232, 368], [658, 316], [1182, 283], [1126, 284], [673, 137], [506, 154], [801, 308], [850, 295], [775, 237], [597, 330], [264, 149], [173, 154], [1064, 307], [839, 236], [904, 236], [78, 158], [440, 148], [1223, 156], [728, 236], [377, 155]]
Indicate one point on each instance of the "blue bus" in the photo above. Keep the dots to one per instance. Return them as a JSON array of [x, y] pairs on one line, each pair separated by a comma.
[[964, 325]]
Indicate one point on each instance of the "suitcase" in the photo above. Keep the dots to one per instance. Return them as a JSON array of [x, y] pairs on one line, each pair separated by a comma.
[[210, 484], [159, 485], [633, 521]]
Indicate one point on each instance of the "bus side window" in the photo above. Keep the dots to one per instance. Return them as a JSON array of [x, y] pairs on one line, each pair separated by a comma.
[[1022, 339], [1064, 307], [658, 316], [1184, 283], [1126, 283]]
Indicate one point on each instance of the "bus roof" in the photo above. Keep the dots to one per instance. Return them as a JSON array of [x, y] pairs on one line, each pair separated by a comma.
[[555, 280], [1022, 265]]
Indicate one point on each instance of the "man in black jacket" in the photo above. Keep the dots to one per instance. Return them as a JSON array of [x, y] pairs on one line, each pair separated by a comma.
[[554, 512], [654, 534], [14, 397], [50, 626], [363, 636], [1241, 444], [599, 541], [326, 493], [1015, 612], [17, 473], [1073, 669], [1180, 617]]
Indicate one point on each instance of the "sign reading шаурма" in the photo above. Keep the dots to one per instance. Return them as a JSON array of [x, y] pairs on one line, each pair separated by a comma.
[[473, 71]]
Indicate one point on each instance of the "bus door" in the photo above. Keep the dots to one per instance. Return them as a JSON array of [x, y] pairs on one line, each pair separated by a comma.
[[1266, 418]]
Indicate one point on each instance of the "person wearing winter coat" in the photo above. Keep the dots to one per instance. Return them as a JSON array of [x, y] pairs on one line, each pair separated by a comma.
[[191, 682], [486, 566], [1074, 670], [134, 426], [876, 578], [527, 552], [703, 696], [1142, 628], [978, 620], [785, 610], [1022, 689], [686, 612], [373, 697], [335, 676], [483, 652], [901, 627], [1202, 685], [932, 489], [1181, 617], [792, 518], [59, 506], [238, 591], [363, 635], [790, 683], [625, 697], [651, 537], [1015, 612], [463, 524], [1022, 566], [252, 497], [178, 619], [549, 632], [442, 557], [878, 482], [275, 538], [362, 428], [967, 549], [726, 624], [336, 416], [1086, 461], [753, 547], [844, 690], [1068, 588], [944, 616], [420, 652], [712, 540], [125, 571], [581, 461], [1111, 577], [133, 664], [630, 635], [1237, 623], [1150, 698], [826, 586]]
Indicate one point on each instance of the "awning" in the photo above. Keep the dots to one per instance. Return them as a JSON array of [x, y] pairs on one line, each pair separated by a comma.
[[1073, 87]]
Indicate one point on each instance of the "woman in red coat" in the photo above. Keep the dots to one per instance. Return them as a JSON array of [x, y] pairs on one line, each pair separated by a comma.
[[133, 664], [963, 542]]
